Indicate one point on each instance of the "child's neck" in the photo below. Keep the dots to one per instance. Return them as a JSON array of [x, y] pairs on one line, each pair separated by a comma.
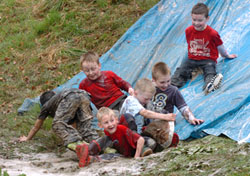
[[203, 28]]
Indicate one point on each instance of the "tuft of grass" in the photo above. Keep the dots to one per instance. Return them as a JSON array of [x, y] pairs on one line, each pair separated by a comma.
[[50, 22]]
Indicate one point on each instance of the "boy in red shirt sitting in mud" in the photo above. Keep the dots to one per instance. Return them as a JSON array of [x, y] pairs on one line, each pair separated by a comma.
[[125, 141]]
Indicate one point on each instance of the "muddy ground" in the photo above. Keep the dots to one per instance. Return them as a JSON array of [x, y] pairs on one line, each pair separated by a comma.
[[207, 156]]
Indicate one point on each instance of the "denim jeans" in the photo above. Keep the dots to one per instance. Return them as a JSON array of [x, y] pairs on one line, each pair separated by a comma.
[[183, 73]]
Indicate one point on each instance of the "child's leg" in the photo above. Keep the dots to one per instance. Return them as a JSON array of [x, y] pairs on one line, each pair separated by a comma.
[[149, 142], [83, 155], [118, 103], [96, 146], [212, 80], [84, 117], [183, 73], [209, 70], [129, 121], [89, 153], [82, 152], [64, 114]]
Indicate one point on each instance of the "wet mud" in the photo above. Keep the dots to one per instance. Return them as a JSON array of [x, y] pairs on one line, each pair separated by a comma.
[[50, 164]]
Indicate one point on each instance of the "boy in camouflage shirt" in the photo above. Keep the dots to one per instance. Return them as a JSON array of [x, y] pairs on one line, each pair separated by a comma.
[[69, 108]]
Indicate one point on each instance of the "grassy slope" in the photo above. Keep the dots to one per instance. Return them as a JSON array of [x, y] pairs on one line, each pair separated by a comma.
[[40, 44]]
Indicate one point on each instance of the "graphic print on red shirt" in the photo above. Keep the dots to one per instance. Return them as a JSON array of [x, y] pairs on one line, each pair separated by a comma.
[[203, 44]]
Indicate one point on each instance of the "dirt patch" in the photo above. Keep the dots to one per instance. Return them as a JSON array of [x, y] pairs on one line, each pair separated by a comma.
[[210, 155], [67, 164]]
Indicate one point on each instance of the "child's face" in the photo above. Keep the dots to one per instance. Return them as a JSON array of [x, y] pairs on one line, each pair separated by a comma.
[[162, 82], [109, 123], [143, 97], [92, 70], [199, 21]]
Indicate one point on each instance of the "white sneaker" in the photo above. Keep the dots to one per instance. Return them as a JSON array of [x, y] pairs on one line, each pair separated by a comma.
[[214, 83]]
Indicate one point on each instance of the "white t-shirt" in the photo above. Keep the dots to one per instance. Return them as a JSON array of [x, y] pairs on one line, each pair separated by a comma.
[[132, 106]]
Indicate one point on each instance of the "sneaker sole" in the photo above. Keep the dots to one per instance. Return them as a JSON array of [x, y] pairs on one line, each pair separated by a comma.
[[82, 153], [215, 83]]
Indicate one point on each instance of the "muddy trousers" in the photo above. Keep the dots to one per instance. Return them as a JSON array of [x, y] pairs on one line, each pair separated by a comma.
[[183, 73], [74, 108]]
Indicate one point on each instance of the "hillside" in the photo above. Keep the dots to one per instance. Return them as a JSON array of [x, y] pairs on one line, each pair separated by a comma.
[[41, 41], [40, 44]]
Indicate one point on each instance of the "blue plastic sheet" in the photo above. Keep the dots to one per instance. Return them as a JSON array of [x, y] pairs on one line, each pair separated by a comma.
[[159, 36]]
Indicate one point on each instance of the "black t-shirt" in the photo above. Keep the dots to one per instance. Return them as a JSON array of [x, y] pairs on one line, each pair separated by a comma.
[[165, 101]]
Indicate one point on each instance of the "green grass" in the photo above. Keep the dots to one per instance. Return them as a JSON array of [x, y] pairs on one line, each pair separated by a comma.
[[206, 156], [5, 173], [41, 42]]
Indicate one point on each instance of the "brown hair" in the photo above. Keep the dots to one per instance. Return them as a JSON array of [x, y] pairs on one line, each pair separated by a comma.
[[104, 111], [200, 8], [145, 85], [89, 57], [160, 68]]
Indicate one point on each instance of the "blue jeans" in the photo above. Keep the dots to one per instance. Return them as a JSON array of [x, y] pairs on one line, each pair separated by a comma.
[[183, 73]]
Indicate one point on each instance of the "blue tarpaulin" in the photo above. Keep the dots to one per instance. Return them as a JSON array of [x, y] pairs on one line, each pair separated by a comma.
[[159, 36]]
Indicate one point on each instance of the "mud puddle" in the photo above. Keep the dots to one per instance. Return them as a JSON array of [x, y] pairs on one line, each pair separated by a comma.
[[49, 164]]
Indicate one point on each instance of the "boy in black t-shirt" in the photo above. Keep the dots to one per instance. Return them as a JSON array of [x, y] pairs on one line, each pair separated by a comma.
[[167, 96]]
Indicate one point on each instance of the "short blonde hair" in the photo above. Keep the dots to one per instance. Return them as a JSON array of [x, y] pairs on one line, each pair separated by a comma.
[[89, 57], [104, 111], [145, 85], [160, 68]]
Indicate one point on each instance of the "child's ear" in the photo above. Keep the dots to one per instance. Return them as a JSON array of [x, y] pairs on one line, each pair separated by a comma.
[[117, 120]]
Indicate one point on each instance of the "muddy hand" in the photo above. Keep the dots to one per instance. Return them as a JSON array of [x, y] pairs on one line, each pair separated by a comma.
[[196, 121]]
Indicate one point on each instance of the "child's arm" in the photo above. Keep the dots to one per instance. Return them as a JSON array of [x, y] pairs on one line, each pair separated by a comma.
[[33, 131], [155, 115], [139, 146], [122, 84], [224, 53], [189, 116]]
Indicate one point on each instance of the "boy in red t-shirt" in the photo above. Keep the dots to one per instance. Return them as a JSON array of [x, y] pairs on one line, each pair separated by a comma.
[[204, 44], [104, 86], [124, 140]]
